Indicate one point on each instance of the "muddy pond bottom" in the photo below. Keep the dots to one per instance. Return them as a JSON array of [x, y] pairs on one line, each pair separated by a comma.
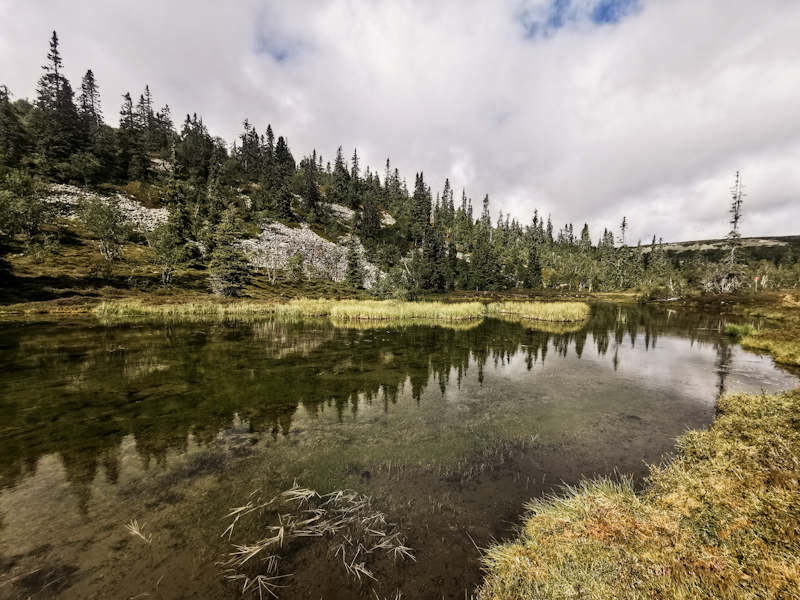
[[128, 451]]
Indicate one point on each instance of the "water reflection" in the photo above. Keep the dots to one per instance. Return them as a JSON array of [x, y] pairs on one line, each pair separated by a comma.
[[78, 390], [102, 424]]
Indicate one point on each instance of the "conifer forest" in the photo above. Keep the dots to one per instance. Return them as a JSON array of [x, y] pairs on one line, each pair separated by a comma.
[[420, 237]]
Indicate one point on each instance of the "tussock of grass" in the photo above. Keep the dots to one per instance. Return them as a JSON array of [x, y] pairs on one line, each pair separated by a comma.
[[783, 344], [380, 310], [193, 310], [721, 521], [542, 311], [739, 331]]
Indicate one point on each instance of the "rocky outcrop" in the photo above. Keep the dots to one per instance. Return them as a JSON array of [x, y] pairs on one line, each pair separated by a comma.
[[271, 250], [65, 199], [321, 258]]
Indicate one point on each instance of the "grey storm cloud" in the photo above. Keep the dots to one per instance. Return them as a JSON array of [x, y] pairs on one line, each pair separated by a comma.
[[589, 110]]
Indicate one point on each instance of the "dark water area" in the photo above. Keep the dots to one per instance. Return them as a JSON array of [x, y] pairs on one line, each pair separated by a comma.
[[448, 430]]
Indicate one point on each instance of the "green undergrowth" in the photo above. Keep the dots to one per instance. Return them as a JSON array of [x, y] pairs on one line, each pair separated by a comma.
[[721, 521]]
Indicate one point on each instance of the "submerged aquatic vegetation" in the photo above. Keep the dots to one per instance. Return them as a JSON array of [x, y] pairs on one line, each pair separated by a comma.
[[354, 530], [720, 521], [542, 311]]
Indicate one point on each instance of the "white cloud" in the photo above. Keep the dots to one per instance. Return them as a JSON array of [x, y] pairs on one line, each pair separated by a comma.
[[648, 117]]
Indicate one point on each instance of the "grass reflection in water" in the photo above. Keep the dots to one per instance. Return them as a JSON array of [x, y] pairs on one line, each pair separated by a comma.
[[450, 429]]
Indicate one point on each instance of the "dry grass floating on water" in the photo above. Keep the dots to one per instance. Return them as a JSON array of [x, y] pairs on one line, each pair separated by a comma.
[[354, 530], [721, 521]]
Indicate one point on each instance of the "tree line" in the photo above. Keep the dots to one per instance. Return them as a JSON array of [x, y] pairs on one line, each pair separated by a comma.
[[215, 194]]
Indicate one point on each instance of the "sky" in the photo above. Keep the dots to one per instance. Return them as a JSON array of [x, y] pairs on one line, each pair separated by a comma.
[[587, 110]]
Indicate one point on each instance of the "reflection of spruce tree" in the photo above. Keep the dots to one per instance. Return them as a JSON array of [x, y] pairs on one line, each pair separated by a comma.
[[228, 265]]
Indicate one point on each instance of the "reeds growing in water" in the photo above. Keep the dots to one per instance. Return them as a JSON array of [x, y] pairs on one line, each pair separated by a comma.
[[382, 310], [346, 311], [542, 311], [122, 311]]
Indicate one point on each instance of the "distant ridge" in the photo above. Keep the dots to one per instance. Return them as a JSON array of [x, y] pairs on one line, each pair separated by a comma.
[[753, 248]]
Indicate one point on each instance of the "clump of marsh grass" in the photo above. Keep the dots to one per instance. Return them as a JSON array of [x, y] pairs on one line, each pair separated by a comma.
[[354, 530], [720, 521], [192, 311], [542, 311], [739, 331], [382, 310]]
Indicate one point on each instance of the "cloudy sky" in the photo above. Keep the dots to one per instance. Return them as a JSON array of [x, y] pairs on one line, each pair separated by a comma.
[[589, 110]]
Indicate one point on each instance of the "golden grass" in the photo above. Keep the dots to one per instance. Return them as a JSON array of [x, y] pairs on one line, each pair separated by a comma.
[[542, 311], [783, 344], [721, 521], [338, 311], [111, 311], [381, 310]]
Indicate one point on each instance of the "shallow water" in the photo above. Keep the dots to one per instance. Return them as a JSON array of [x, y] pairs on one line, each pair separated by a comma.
[[449, 430]]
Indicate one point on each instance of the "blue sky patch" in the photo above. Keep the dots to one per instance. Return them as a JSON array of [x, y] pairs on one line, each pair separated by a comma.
[[613, 11], [543, 19], [281, 50]]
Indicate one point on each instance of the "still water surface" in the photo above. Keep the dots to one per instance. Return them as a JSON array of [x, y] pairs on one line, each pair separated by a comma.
[[449, 430]]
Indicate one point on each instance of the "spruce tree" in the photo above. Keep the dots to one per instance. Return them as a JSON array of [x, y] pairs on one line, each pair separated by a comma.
[[228, 267], [533, 273], [56, 120], [354, 277], [12, 132], [311, 195]]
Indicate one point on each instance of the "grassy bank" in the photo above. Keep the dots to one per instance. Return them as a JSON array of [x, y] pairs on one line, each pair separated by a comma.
[[783, 343], [721, 521]]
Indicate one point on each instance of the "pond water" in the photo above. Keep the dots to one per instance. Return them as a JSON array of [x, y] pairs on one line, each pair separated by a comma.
[[448, 430]]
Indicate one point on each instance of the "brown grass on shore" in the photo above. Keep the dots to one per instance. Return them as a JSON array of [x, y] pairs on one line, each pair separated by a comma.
[[721, 521]]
